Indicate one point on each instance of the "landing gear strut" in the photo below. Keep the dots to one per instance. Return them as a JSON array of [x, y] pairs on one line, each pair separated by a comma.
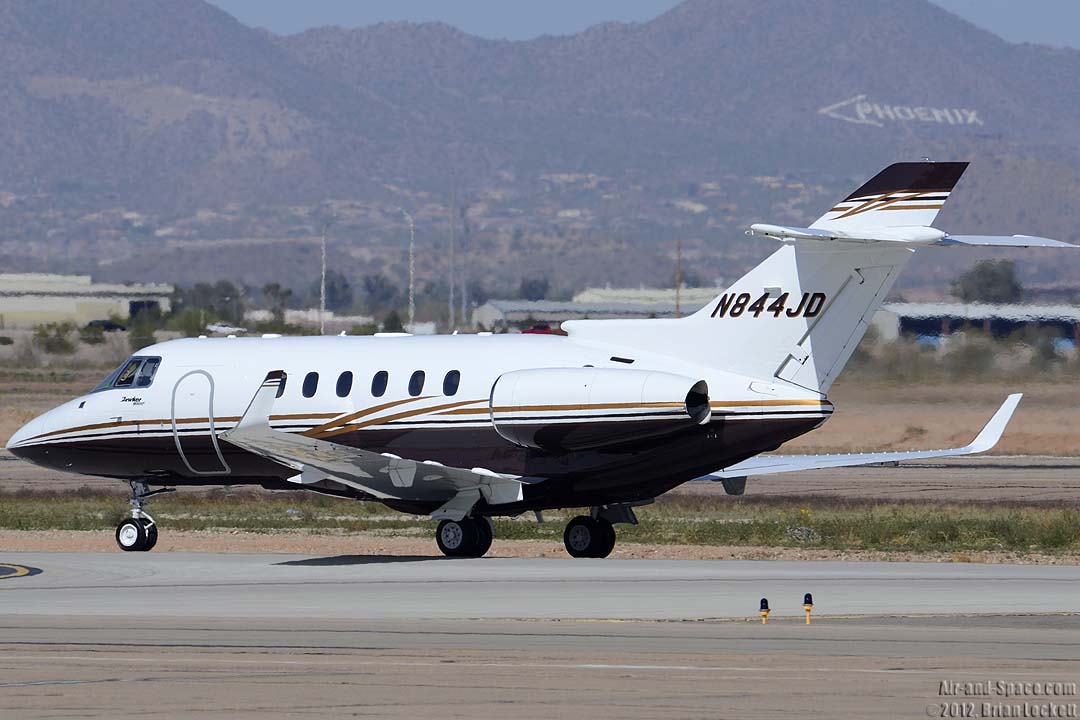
[[468, 537], [139, 533]]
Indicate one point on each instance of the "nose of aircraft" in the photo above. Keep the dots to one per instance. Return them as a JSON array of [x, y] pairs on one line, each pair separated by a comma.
[[27, 431]]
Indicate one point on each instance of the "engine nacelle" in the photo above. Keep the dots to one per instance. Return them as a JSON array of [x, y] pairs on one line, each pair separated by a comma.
[[578, 408]]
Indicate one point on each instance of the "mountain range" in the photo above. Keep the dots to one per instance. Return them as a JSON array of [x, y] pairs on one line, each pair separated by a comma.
[[165, 140]]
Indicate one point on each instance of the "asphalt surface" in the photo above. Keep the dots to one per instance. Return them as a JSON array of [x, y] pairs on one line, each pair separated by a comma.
[[201, 635], [378, 587]]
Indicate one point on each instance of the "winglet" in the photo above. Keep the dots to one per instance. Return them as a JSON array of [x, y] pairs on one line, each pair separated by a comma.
[[258, 410], [990, 434]]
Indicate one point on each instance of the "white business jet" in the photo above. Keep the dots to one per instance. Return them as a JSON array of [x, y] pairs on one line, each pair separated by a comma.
[[462, 428]]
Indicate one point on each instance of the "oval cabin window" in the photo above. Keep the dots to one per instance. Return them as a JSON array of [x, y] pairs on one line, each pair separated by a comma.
[[416, 383], [450, 382], [344, 384], [311, 384], [378, 383]]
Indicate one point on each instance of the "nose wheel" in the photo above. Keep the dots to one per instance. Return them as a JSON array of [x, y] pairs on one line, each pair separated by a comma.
[[139, 533]]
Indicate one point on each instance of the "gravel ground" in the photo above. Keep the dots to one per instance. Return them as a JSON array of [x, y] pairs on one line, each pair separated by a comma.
[[339, 543]]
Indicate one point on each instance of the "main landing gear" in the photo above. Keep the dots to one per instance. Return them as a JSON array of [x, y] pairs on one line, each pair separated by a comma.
[[139, 533], [469, 537], [589, 537], [593, 535]]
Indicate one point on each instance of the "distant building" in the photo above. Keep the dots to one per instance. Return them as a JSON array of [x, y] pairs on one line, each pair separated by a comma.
[[593, 303], [936, 319], [29, 299]]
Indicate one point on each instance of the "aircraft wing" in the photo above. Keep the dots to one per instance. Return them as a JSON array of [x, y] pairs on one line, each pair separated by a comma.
[[771, 464], [383, 476]]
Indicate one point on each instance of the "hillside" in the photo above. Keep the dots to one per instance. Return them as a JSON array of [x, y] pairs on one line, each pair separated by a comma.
[[164, 140]]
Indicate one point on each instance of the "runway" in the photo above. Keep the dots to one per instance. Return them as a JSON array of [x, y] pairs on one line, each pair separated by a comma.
[[274, 635], [362, 587]]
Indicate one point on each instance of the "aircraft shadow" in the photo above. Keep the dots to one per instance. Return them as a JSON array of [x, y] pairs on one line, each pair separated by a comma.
[[358, 560]]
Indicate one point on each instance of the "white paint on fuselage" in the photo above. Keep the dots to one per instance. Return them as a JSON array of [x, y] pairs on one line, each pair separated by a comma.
[[238, 366]]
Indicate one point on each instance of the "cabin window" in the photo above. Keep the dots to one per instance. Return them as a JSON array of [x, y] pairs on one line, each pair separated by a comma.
[[135, 372], [344, 384], [126, 378], [450, 382], [378, 383], [416, 383], [146, 374], [311, 384]]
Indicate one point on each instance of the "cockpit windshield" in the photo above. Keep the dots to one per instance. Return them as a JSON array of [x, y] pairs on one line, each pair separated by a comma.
[[135, 372]]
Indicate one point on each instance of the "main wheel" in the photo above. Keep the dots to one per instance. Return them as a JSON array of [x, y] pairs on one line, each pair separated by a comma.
[[151, 533], [587, 537], [457, 538], [607, 539], [131, 535], [485, 534]]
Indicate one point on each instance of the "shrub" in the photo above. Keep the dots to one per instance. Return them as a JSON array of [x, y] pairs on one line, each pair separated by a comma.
[[53, 338], [92, 335]]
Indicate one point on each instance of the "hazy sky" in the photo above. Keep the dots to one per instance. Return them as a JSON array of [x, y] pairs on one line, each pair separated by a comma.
[[1049, 22]]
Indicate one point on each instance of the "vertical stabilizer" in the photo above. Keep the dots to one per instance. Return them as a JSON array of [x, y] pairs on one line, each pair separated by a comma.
[[798, 316], [902, 195]]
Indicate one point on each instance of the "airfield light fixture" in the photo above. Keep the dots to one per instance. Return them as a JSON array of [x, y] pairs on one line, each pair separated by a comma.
[[764, 610], [808, 605]]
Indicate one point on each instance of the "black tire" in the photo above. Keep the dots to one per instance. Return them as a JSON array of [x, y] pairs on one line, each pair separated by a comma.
[[151, 534], [457, 538], [131, 535], [485, 532], [606, 541], [581, 536]]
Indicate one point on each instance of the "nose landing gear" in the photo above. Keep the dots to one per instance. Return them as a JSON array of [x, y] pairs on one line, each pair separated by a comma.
[[139, 533]]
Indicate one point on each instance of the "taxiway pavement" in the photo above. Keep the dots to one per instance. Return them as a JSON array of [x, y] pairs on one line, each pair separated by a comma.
[[193, 635]]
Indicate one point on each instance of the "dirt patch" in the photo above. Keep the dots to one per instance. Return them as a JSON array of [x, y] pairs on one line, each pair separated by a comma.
[[336, 543]]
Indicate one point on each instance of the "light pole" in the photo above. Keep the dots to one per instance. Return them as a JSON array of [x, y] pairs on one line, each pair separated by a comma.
[[322, 277], [412, 243]]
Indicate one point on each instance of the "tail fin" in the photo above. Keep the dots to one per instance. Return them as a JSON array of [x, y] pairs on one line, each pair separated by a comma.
[[901, 195], [799, 315]]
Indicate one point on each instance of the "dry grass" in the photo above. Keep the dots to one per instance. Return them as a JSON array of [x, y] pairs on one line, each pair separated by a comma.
[[806, 523]]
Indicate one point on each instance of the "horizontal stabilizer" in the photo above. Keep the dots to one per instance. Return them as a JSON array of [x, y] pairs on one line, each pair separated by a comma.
[[772, 464], [1003, 241], [916, 235], [913, 235]]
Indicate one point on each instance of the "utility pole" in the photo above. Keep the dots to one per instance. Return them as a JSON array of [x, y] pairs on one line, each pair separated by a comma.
[[412, 242], [322, 277], [465, 264], [678, 277], [453, 242]]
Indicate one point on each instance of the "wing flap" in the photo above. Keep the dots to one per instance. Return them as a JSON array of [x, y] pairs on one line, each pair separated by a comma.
[[771, 464], [381, 475]]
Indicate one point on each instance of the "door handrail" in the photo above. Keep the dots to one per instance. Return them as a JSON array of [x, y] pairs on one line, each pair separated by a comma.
[[210, 416]]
